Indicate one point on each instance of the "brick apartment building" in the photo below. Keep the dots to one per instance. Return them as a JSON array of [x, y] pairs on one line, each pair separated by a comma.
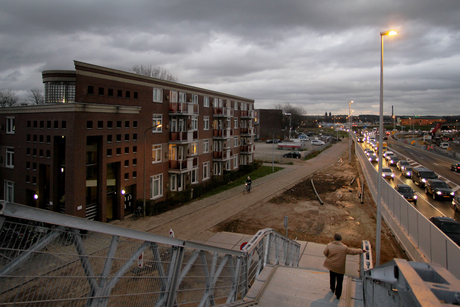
[[87, 151]]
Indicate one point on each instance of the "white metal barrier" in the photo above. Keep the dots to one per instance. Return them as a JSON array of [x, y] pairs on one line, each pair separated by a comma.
[[422, 241]]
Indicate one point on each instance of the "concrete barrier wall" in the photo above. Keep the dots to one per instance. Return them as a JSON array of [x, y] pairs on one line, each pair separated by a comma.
[[421, 240]]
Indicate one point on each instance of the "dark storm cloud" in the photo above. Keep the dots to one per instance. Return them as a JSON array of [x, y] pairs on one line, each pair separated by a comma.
[[317, 54]]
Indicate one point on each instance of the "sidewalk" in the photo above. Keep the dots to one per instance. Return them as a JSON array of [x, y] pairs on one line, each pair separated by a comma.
[[194, 220]]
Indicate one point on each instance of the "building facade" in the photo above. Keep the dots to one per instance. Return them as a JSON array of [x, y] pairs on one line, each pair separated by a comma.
[[106, 138], [268, 121]]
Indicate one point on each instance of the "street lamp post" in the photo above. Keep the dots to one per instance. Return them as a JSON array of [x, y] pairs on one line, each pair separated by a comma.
[[289, 114], [145, 149], [379, 185], [349, 131], [273, 149]]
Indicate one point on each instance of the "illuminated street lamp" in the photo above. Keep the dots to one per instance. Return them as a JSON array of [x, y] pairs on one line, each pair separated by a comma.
[[379, 179], [349, 131], [145, 149]]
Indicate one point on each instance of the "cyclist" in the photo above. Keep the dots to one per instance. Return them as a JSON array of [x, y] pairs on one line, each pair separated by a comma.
[[248, 184]]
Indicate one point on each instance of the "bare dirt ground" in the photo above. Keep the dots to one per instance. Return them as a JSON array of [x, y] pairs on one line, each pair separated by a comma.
[[308, 220]]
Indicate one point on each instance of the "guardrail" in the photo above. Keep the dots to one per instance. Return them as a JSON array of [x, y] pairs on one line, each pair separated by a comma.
[[421, 240], [47, 258]]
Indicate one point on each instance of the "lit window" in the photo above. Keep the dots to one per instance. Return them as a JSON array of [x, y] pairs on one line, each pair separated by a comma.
[[157, 120], [157, 95], [193, 149], [156, 186], [156, 153]]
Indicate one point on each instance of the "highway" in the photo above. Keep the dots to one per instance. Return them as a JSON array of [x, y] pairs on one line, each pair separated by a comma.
[[437, 163]]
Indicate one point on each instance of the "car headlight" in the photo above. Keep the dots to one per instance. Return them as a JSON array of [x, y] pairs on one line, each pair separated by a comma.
[[392, 162], [423, 180], [452, 193], [415, 196], [408, 173], [439, 192], [392, 175]]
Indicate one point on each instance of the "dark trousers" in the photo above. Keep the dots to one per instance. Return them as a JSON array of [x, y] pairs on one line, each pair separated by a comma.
[[336, 282]]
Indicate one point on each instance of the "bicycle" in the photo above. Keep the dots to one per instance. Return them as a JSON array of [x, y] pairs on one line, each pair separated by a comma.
[[138, 213], [247, 188]]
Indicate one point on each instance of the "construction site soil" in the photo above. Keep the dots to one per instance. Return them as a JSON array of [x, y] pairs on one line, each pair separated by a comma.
[[309, 220]]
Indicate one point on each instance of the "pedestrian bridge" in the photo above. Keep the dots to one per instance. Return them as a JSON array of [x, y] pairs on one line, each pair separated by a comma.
[[50, 259]]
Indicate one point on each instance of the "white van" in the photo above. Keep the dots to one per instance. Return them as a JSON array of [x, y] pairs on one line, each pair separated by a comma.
[[444, 145]]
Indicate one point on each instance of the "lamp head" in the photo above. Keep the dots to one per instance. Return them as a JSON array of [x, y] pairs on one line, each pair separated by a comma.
[[390, 32]]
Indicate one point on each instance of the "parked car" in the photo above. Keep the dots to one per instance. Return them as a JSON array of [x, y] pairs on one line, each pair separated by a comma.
[[292, 154], [444, 145], [373, 158], [393, 160], [402, 164], [421, 174], [269, 141], [456, 202], [455, 167], [438, 188], [407, 172], [387, 173], [449, 226], [317, 143], [407, 192]]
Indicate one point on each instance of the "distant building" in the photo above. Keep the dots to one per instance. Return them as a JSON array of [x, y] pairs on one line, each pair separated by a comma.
[[267, 121], [420, 120], [104, 134]]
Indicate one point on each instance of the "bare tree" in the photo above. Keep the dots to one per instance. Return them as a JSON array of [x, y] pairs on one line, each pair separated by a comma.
[[154, 72], [35, 96], [7, 98], [296, 117]]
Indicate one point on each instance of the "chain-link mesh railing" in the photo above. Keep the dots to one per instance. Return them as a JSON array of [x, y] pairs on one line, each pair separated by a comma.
[[50, 259]]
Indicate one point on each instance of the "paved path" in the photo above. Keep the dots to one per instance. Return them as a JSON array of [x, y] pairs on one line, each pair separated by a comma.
[[194, 220]]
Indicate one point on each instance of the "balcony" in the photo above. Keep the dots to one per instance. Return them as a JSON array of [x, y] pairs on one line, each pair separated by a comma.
[[222, 133], [182, 108], [247, 149], [248, 114], [223, 112], [183, 166], [181, 137], [223, 155], [246, 131]]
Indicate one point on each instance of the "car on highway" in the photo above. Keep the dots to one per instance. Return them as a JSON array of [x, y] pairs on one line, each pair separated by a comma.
[[270, 141], [407, 192], [402, 164], [317, 143], [387, 173], [455, 167], [373, 158], [407, 172], [456, 203], [420, 175], [393, 160], [360, 138], [387, 153], [449, 226], [439, 189], [292, 154]]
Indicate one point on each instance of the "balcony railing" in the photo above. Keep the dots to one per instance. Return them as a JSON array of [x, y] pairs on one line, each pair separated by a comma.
[[222, 155], [246, 131], [183, 108], [223, 133], [247, 149], [247, 114], [223, 112], [183, 136], [184, 165]]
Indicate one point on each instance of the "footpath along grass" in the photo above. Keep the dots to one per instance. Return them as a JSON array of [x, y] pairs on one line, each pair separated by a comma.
[[258, 173]]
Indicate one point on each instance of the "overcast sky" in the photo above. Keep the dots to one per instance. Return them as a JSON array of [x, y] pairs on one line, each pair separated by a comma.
[[314, 54]]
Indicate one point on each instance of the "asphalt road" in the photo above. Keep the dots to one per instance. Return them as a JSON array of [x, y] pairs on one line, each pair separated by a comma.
[[439, 164]]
